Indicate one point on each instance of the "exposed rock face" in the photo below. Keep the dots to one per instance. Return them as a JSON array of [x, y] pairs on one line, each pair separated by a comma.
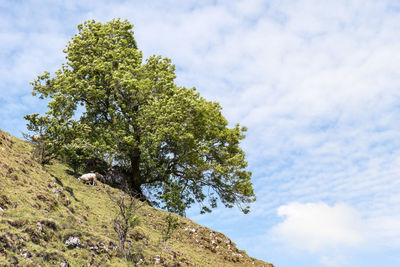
[[114, 178], [73, 242], [157, 259]]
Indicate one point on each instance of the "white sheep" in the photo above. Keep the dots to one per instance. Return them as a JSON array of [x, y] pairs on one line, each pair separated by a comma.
[[90, 177], [35, 138]]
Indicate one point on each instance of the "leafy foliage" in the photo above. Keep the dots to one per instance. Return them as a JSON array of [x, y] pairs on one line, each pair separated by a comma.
[[170, 141], [45, 143]]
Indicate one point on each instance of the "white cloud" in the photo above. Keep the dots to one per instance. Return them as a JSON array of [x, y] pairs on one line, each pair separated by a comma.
[[332, 231], [316, 227]]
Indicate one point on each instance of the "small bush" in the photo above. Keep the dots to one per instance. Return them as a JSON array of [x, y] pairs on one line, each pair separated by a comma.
[[172, 225], [126, 218]]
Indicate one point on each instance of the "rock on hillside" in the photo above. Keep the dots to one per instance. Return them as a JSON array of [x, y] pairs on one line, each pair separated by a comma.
[[48, 218]]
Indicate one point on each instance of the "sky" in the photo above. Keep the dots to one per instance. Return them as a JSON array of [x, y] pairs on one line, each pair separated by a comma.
[[316, 83]]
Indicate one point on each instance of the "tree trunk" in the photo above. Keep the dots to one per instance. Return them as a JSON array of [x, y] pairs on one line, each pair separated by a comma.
[[136, 180]]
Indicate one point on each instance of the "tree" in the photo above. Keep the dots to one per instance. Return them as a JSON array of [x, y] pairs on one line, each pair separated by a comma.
[[167, 138], [46, 142]]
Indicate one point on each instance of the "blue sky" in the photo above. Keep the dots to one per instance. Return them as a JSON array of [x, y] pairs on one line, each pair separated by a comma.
[[316, 82]]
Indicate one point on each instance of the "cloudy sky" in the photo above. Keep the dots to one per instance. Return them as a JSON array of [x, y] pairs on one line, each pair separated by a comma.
[[316, 82]]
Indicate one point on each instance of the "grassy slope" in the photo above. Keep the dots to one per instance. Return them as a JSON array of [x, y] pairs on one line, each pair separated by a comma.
[[41, 207]]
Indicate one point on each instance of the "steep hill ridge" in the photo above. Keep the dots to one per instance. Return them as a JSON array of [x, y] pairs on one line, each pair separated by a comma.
[[48, 218]]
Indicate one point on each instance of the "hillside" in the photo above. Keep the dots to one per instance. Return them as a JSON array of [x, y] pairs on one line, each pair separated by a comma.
[[48, 218]]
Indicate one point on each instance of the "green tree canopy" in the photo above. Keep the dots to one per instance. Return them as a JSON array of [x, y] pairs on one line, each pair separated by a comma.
[[166, 137]]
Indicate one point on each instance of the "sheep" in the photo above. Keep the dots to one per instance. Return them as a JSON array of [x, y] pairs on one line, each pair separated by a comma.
[[90, 177], [35, 138]]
